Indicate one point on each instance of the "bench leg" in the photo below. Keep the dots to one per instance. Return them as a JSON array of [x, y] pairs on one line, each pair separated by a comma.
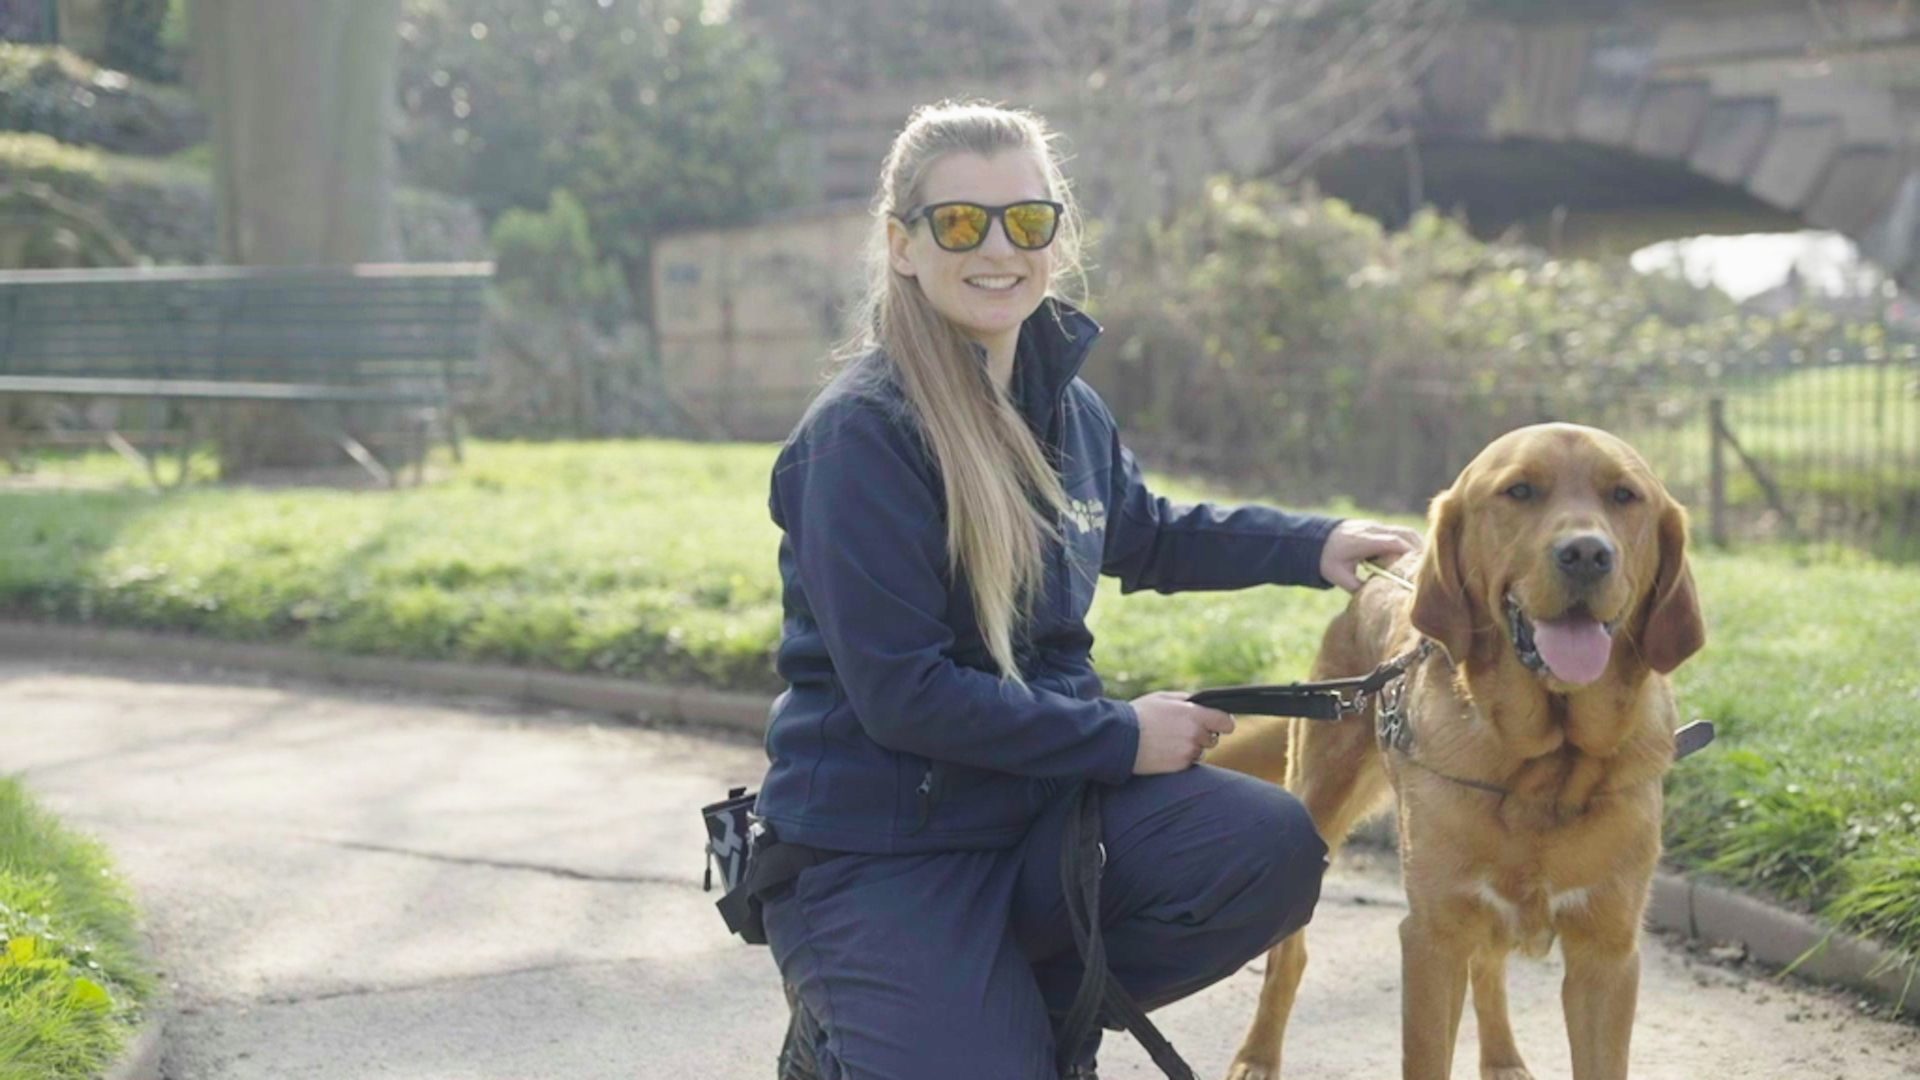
[[189, 440], [354, 448], [452, 419], [132, 453], [423, 443], [11, 441], [359, 453]]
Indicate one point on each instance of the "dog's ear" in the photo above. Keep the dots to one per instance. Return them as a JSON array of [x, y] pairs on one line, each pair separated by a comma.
[[1441, 609], [1674, 628]]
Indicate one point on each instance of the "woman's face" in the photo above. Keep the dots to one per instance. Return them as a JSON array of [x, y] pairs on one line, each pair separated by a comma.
[[989, 291]]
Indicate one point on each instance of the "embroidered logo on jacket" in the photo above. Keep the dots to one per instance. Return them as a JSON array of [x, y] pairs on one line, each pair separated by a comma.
[[1087, 515]]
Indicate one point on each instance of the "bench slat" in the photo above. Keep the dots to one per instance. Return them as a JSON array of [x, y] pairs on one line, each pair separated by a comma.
[[202, 388], [318, 331]]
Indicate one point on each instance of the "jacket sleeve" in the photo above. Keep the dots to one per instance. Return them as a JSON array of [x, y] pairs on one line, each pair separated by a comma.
[[1153, 544], [858, 502]]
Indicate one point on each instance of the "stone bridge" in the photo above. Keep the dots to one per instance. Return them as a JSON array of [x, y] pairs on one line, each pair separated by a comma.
[[1679, 118], [1655, 119]]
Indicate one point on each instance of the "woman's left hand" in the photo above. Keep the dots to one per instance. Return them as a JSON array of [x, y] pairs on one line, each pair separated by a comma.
[[1355, 541]]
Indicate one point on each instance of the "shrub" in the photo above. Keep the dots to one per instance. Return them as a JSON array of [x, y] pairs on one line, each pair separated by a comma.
[[164, 206], [57, 93], [548, 259], [1273, 335]]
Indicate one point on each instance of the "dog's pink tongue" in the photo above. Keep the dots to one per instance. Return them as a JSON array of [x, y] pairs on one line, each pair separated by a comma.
[[1576, 650]]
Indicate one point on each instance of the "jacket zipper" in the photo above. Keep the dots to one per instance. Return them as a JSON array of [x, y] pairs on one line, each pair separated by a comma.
[[1063, 595]]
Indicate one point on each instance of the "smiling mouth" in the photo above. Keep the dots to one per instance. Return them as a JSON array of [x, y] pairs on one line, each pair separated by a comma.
[[1574, 648], [996, 283]]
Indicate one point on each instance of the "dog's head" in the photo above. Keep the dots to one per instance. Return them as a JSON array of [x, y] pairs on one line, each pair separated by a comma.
[[1558, 545]]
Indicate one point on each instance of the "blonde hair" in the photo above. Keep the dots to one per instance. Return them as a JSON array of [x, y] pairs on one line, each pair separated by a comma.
[[1003, 496]]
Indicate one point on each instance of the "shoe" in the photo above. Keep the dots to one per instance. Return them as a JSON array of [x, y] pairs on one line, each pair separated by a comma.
[[797, 1058]]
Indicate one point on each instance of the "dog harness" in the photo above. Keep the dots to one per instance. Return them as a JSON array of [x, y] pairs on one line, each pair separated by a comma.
[[1393, 727]]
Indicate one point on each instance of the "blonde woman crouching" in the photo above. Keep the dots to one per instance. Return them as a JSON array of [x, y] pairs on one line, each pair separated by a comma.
[[947, 504]]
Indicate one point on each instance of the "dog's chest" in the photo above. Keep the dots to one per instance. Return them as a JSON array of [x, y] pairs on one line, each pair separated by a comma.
[[1526, 909]]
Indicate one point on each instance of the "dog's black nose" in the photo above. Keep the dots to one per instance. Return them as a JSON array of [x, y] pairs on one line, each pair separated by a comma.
[[1586, 558]]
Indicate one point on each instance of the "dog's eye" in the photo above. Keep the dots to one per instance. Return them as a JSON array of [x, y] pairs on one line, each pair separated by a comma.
[[1624, 495], [1520, 492]]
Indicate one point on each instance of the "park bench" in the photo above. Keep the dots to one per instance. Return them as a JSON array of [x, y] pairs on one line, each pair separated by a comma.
[[404, 335]]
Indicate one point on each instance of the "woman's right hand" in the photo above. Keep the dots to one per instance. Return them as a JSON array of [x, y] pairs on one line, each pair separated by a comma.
[[1175, 733]]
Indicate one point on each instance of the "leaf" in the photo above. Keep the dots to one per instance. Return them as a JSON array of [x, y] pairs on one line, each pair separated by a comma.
[[87, 994], [22, 950]]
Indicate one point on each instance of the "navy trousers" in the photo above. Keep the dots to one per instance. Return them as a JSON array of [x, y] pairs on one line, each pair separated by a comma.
[[951, 965]]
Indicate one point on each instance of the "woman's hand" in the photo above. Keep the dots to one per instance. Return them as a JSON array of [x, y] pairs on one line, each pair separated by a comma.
[[1355, 541], [1174, 733]]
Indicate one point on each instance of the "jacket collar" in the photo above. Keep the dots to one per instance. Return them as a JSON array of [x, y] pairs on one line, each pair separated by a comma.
[[1053, 347]]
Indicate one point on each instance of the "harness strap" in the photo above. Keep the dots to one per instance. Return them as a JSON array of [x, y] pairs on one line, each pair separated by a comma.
[[1083, 858]]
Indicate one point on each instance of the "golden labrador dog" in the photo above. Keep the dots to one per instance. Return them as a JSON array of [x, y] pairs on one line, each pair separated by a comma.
[[1526, 750]]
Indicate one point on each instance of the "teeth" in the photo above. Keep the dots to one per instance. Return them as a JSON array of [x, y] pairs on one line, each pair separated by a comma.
[[1520, 632], [1007, 282]]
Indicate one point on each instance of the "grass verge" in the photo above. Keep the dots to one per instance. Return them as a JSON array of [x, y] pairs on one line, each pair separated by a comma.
[[72, 980]]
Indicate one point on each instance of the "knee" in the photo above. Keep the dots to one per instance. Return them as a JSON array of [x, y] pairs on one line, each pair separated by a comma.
[[1295, 859]]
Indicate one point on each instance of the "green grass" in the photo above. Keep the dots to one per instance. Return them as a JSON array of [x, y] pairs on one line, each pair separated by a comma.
[[645, 559], [1811, 794], [656, 560], [1841, 443], [1857, 413], [72, 980]]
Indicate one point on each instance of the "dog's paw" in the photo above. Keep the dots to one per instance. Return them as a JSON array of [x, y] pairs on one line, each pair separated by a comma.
[[1244, 1069], [1506, 1072]]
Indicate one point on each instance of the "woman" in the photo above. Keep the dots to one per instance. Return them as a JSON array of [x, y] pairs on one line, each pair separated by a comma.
[[947, 504]]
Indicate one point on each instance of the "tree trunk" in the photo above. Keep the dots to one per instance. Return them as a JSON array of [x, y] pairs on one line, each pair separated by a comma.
[[300, 98], [301, 101]]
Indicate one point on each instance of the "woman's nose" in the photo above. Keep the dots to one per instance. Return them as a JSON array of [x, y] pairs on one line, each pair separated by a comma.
[[997, 241]]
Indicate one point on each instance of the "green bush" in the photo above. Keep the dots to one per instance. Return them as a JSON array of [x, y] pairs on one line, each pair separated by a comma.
[[651, 115], [138, 41], [1271, 334], [52, 91], [164, 206], [549, 261]]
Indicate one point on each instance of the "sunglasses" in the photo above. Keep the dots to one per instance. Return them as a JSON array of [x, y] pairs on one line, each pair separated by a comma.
[[962, 226]]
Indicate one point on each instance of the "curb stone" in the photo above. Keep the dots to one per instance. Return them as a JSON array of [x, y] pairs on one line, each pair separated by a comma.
[[1681, 904], [745, 713], [1777, 937]]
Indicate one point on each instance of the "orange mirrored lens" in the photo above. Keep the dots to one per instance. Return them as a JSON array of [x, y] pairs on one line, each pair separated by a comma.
[[1030, 225], [959, 226]]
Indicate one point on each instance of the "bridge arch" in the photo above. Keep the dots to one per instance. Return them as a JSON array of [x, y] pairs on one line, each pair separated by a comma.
[[1701, 120]]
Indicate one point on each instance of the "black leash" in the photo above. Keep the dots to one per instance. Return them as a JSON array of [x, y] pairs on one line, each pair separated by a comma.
[[1323, 700], [1083, 858]]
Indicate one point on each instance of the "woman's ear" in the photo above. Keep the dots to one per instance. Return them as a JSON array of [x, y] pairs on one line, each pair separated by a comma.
[[897, 254], [1674, 628], [1441, 609]]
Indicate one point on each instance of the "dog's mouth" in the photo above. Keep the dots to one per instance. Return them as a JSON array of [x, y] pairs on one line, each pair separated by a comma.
[[1574, 648]]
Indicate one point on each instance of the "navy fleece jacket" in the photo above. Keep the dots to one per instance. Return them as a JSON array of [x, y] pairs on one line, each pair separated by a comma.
[[896, 733]]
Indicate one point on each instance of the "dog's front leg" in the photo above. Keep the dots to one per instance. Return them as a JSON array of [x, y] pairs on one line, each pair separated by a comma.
[[1259, 1056], [1599, 993], [1499, 1054], [1434, 954]]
